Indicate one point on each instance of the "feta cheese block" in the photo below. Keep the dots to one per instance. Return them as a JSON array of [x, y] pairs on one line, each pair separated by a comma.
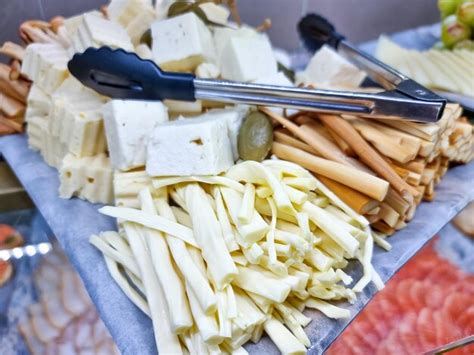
[[234, 117], [327, 68], [76, 118], [215, 13], [53, 150], [89, 178], [247, 59], [181, 43], [207, 71], [185, 108], [198, 146], [140, 25], [45, 65], [38, 103], [125, 11], [37, 130], [128, 124], [222, 36], [94, 31]]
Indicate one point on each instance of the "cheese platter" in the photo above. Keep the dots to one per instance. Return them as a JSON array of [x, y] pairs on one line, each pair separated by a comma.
[[207, 194]]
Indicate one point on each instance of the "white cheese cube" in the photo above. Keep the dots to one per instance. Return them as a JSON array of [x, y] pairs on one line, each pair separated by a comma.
[[222, 36], [327, 68], [144, 52], [181, 43], [37, 130], [248, 58], [77, 120], [45, 65], [140, 25], [38, 103], [72, 23], [199, 146], [215, 13], [234, 117], [125, 11], [128, 125], [94, 31], [89, 178], [53, 150]]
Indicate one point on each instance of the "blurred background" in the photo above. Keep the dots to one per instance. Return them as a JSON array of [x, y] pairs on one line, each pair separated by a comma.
[[359, 20]]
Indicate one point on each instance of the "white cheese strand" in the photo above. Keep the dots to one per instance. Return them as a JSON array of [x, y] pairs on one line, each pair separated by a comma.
[[224, 221], [208, 234], [247, 206], [262, 285], [171, 284], [194, 279], [329, 224], [271, 233], [122, 282], [283, 339], [159, 183], [120, 257], [151, 221], [328, 309], [166, 340]]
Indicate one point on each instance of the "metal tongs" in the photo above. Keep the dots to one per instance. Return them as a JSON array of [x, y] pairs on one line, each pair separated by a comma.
[[122, 75]]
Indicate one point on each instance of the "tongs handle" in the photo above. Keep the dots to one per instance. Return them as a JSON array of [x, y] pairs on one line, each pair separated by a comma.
[[316, 31], [123, 75]]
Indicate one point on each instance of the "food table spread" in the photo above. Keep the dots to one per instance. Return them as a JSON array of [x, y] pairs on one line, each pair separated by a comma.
[[219, 234], [73, 221]]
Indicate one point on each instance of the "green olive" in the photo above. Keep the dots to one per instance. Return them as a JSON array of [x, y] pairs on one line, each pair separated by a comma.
[[255, 137], [146, 38]]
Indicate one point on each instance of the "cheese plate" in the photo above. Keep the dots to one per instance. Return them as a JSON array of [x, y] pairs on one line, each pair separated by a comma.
[[73, 221]]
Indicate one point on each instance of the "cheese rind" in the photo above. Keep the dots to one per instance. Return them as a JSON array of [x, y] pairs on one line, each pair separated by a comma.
[[128, 125], [45, 65], [88, 178], [247, 59], [94, 31], [181, 43], [328, 68], [189, 147]]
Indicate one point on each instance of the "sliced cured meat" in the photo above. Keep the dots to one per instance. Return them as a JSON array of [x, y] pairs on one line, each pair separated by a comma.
[[434, 295], [55, 311], [72, 303], [425, 329], [407, 332], [35, 346], [367, 335], [417, 293], [40, 325], [404, 298], [66, 349]]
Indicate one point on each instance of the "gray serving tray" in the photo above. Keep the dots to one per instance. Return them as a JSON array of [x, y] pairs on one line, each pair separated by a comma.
[[73, 221]]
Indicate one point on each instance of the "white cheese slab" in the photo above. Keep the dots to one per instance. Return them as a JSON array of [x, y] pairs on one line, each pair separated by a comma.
[[247, 59], [38, 103], [46, 65], [94, 31], [181, 43], [328, 68], [89, 178], [128, 125], [222, 36], [198, 146]]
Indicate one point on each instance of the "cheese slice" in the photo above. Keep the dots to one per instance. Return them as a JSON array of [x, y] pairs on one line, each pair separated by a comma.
[[128, 126], [94, 31], [88, 178], [45, 65], [247, 59], [181, 43], [189, 147], [327, 68]]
